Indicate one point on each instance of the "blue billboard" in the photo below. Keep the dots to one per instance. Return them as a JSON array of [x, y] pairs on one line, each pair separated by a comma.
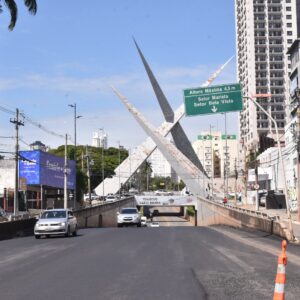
[[39, 167]]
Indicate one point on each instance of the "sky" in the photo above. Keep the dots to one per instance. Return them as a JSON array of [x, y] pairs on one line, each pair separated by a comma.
[[73, 52]]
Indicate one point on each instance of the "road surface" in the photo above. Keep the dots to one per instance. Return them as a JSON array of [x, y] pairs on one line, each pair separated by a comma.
[[146, 263]]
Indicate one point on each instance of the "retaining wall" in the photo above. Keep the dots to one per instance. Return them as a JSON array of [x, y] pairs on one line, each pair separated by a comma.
[[16, 228], [103, 215], [212, 213]]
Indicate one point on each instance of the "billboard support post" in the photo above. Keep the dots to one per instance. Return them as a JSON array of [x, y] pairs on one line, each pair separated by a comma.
[[66, 177]]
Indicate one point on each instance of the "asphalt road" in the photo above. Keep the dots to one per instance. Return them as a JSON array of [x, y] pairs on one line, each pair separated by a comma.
[[146, 263]]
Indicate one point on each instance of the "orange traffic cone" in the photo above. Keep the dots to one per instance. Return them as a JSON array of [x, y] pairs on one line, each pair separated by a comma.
[[280, 277]]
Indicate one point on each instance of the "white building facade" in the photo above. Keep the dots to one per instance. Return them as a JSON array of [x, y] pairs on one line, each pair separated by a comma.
[[265, 29], [160, 166], [218, 153], [99, 140]]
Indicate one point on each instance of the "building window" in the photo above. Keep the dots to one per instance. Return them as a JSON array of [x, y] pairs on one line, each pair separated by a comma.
[[288, 8], [289, 17], [289, 33], [289, 24]]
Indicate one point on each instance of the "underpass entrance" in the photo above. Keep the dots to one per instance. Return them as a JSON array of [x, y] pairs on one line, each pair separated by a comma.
[[167, 206]]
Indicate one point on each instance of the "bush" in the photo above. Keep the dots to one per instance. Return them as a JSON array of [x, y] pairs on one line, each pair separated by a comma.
[[190, 211]]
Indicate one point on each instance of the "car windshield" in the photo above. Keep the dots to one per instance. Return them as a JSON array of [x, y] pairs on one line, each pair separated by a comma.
[[54, 214], [129, 211]]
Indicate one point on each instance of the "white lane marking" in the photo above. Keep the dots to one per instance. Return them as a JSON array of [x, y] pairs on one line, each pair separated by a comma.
[[256, 243], [231, 256]]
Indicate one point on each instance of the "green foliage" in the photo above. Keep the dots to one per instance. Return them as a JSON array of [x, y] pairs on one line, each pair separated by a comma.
[[165, 183], [251, 159], [13, 9], [109, 162], [190, 211]]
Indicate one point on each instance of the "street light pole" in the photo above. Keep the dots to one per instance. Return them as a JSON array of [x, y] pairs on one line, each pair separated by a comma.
[[212, 158], [102, 160], [119, 170], [75, 144], [280, 156], [66, 175]]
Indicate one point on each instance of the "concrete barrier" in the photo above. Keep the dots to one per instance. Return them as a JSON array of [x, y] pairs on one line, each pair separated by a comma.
[[212, 213], [102, 215], [16, 228]]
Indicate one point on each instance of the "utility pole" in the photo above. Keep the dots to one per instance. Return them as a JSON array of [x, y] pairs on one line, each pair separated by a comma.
[[75, 144], [256, 185], [82, 161], [87, 155], [226, 156], [212, 160], [66, 175], [17, 123], [236, 177], [119, 170], [102, 162], [298, 154]]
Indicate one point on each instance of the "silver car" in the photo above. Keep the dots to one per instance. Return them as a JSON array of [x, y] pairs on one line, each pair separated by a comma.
[[56, 222]]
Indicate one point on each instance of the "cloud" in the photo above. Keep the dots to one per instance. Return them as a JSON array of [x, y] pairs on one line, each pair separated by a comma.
[[100, 108]]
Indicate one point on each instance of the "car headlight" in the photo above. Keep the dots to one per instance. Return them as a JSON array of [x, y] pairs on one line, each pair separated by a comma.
[[62, 224]]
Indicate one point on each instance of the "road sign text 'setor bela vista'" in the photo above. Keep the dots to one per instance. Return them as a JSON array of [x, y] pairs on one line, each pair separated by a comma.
[[213, 99]]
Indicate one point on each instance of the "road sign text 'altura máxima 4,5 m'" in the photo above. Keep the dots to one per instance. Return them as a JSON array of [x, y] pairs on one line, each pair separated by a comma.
[[214, 99]]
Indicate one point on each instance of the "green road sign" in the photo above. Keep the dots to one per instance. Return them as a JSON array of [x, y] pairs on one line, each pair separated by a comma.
[[213, 99]]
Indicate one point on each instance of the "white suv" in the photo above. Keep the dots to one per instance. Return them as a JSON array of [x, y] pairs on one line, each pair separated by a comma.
[[129, 216], [56, 222]]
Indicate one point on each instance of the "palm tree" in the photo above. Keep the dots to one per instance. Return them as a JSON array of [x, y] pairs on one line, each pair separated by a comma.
[[13, 9]]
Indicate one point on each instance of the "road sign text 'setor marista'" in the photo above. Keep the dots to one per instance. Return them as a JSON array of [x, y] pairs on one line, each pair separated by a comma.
[[213, 99]]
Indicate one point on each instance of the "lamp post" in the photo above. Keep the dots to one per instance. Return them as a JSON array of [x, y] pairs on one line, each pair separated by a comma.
[[75, 118], [212, 160], [119, 170], [102, 160], [279, 154]]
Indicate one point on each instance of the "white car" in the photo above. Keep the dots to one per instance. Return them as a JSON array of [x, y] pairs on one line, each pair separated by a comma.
[[111, 198], [143, 221], [154, 224], [129, 216], [56, 222], [93, 197]]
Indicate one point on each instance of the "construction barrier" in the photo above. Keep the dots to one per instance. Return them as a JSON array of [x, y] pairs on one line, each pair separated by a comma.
[[280, 277]]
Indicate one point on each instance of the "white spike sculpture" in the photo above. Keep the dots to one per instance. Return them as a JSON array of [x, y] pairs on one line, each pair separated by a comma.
[[131, 164], [184, 168]]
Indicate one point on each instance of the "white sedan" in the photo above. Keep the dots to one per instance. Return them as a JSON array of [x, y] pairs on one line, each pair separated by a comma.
[[56, 222], [154, 224]]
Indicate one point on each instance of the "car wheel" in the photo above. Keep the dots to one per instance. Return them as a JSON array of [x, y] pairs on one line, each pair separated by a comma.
[[138, 225], [37, 236], [47, 236], [68, 232], [120, 225], [75, 231]]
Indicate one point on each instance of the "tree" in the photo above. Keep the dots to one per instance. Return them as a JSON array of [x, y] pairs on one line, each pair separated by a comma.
[[13, 9], [111, 161]]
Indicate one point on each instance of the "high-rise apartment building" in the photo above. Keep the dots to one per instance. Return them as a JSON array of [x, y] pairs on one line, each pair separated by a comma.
[[99, 140], [219, 153], [265, 29]]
